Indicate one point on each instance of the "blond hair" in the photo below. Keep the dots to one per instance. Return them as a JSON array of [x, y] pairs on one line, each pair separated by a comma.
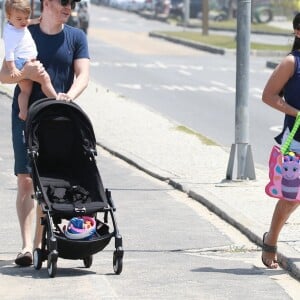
[[19, 5]]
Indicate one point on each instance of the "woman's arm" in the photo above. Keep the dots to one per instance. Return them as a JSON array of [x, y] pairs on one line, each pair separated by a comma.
[[282, 73]]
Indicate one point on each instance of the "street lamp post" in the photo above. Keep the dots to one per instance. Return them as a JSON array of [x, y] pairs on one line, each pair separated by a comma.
[[241, 150]]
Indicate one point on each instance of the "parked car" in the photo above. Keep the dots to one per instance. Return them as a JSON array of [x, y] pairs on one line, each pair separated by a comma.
[[80, 17], [262, 11], [162, 7], [83, 16], [177, 9], [149, 5], [36, 8]]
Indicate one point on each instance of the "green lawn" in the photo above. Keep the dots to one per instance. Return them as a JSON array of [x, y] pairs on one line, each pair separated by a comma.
[[222, 41], [228, 42]]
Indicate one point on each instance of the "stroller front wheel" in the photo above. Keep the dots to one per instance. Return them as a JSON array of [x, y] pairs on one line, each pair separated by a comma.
[[52, 268], [52, 264], [87, 261], [37, 258], [118, 260]]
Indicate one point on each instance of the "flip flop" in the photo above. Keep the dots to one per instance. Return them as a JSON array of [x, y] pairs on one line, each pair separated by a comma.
[[269, 249], [24, 259]]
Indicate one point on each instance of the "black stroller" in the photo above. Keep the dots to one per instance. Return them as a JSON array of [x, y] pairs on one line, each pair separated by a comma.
[[62, 147]]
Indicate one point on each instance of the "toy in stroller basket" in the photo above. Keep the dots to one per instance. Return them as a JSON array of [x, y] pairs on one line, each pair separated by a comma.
[[67, 185]]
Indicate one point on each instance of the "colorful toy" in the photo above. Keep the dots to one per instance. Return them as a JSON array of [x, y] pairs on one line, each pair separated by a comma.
[[81, 228]]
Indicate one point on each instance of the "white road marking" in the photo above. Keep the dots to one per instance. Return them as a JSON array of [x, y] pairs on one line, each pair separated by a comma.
[[276, 128], [186, 70], [94, 63], [186, 73], [216, 87], [130, 86]]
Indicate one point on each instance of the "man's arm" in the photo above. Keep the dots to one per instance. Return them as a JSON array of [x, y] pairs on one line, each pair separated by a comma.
[[32, 70], [82, 74]]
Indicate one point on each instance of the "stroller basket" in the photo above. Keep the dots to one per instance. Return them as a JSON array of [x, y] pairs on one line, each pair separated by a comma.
[[80, 249]]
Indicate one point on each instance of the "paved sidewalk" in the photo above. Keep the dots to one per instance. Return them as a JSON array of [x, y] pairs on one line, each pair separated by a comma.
[[156, 145]]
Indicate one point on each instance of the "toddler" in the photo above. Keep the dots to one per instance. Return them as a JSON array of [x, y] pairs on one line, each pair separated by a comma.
[[20, 48]]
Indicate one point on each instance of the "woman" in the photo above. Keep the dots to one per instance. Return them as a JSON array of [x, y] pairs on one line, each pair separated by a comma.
[[282, 93], [63, 52]]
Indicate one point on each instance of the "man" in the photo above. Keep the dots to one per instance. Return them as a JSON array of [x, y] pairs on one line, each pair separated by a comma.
[[63, 52]]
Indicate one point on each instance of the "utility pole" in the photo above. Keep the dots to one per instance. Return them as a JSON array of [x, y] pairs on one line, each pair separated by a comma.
[[241, 150], [186, 13], [205, 12]]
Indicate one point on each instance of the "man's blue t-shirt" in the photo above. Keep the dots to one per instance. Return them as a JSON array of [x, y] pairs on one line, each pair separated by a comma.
[[57, 53]]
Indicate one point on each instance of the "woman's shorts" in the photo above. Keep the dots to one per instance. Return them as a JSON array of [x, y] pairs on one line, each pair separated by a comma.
[[19, 146], [295, 145]]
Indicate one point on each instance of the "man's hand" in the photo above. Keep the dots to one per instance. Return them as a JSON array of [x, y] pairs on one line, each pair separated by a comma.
[[33, 70], [64, 97]]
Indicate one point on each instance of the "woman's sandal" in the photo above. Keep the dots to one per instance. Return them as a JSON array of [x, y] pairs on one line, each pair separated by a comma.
[[269, 249]]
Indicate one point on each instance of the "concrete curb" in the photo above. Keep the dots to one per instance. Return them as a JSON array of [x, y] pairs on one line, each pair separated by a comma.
[[188, 43], [212, 49]]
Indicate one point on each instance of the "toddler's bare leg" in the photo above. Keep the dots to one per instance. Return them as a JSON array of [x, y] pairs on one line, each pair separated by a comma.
[[47, 87], [23, 99]]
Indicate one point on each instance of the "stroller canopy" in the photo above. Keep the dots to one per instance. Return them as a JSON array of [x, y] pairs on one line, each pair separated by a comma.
[[48, 110]]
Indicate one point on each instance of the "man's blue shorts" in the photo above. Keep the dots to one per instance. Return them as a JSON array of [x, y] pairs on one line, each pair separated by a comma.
[[19, 146]]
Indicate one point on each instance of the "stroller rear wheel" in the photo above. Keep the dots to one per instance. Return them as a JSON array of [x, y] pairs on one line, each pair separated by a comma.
[[87, 261], [37, 258]]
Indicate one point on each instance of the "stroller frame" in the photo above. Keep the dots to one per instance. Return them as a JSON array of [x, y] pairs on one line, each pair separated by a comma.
[[54, 243]]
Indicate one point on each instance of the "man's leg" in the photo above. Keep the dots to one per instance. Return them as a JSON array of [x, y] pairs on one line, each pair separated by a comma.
[[25, 211], [37, 243]]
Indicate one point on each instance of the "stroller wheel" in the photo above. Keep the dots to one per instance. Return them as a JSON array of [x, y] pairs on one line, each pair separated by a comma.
[[118, 260], [87, 261], [52, 264], [37, 258], [52, 268]]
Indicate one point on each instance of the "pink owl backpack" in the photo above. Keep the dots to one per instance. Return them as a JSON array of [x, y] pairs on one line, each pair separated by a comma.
[[284, 170]]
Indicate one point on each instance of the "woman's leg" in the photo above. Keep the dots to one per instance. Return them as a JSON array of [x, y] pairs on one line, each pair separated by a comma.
[[281, 214]]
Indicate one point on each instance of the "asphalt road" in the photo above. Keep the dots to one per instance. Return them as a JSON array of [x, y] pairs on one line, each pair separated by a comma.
[[192, 87]]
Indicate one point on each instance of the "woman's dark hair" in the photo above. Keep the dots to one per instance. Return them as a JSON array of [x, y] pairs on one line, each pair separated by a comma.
[[296, 44], [296, 25]]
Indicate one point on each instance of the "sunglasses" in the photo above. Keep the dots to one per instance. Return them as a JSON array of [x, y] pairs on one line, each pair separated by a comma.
[[66, 2]]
